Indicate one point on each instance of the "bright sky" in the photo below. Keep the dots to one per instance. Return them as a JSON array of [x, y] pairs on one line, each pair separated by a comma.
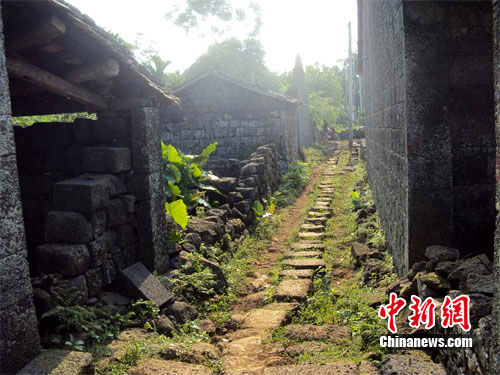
[[317, 29]]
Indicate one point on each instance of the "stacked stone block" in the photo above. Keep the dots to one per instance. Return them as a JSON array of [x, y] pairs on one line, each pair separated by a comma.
[[258, 178], [19, 341]]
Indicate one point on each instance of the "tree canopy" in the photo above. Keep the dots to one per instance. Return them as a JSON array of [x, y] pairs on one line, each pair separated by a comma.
[[243, 60]]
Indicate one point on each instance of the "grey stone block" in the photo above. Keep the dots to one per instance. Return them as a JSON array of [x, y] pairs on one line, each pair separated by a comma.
[[7, 146], [20, 341], [11, 221], [142, 185], [108, 272], [69, 227], [14, 280], [98, 250], [94, 282], [84, 193], [117, 212], [151, 219], [140, 283], [82, 130], [68, 260], [125, 235], [146, 145], [106, 159], [109, 129], [99, 220]]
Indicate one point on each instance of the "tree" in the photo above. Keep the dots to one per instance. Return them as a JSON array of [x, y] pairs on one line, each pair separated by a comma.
[[192, 14], [326, 96], [242, 60]]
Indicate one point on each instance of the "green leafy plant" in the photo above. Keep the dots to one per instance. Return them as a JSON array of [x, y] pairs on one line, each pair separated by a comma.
[[75, 344], [144, 309], [356, 201], [183, 177]]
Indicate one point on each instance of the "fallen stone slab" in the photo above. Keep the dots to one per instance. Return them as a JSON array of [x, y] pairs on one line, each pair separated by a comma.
[[303, 254], [304, 263], [312, 227], [312, 332], [160, 367], [308, 235], [337, 368], [305, 273], [59, 362], [296, 289], [396, 364], [140, 283]]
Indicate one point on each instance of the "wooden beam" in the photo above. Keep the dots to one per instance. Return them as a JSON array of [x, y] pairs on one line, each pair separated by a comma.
[[52, 28], [39, 77], [105, 69]]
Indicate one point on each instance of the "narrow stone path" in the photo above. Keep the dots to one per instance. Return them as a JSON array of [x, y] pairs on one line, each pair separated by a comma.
[[248, 349]]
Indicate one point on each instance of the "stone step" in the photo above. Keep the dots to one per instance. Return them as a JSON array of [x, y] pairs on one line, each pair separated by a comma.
[[158, 366], [296, 274], [312, 228], [303, 254], [319, 213], [304, 263], [58, 362], [268, 317], [295, 289], [309, 235], [337, 368], [308, 245], [317, 220]]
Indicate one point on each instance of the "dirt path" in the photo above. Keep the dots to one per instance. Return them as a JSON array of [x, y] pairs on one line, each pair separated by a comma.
[[249, 350]]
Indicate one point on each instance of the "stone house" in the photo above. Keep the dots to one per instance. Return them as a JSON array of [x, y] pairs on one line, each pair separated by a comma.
[[81, 199], [430, 90], [237, 115]]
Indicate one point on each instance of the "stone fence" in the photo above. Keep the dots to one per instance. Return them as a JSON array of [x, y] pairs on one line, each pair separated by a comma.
[[256, 178]]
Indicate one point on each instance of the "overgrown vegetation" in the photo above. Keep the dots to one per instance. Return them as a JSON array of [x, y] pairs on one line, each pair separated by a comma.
[[341, 298]]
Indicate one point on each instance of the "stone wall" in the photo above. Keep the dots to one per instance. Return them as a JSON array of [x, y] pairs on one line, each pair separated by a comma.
[[256, 179], [428, 98], [385, 127], [495, 348], [450, 125], [88, 208], [240, 120], [19, 342]]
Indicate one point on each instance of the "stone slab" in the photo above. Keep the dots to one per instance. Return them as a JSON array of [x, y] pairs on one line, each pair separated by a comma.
[[59, 362], [309, 235], [160, 367], [140, 283], [307, 245], [302, 254], [312, 227], [337, 368], [81, 194], [396, 364], [304, 263], [317, 220], [305, 273], [319, 213], [296, 289], [106, 159]]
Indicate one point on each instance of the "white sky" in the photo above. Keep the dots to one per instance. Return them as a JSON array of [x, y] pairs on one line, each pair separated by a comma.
[[317, 29]]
